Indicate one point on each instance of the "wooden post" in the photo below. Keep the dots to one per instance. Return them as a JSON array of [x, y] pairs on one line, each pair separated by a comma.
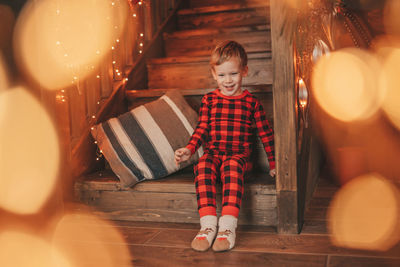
[[283, 20], [149, 20]]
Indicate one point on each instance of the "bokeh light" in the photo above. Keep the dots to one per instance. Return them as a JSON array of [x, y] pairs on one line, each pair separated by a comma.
[[4, 83], [364, 214], [19, 249], [29, 152], [90, 241], [390, 81], [391, 17], [58, 42], [345, 84]]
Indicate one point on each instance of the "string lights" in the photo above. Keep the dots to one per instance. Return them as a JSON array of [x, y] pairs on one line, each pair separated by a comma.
[[136, 11]]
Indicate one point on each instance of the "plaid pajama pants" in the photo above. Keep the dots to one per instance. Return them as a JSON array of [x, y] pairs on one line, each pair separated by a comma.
[[230, 170]]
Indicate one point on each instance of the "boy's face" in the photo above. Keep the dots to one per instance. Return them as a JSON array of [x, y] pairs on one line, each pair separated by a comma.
[[229, 76]]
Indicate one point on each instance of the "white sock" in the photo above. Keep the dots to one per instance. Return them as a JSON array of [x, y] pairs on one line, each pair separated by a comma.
[[228, 223], [209, 222]]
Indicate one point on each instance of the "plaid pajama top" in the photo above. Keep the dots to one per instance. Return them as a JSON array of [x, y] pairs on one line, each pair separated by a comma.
[[226, 125]]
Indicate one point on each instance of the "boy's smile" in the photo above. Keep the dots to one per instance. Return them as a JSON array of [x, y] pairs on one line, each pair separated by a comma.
[[228, 76]]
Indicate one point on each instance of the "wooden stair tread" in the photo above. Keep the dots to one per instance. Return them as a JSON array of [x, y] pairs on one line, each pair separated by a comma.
[[253, 41], [222, 8], [223, 17], [202, 3], [131, 95], [173, 72], [213, 31], [185, 59], [180, 182]]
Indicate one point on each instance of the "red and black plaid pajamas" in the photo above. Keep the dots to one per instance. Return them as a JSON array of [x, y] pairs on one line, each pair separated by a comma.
[[225, 127]]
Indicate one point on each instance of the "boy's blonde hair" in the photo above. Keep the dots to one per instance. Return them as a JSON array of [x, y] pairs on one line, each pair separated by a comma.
[[227, 50]]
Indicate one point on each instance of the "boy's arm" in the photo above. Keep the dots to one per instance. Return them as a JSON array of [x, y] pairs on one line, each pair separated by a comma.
[[200, 134], [266, 134]]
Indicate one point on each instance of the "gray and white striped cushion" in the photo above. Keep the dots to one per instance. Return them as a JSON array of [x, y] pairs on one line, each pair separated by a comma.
[[140, 144]]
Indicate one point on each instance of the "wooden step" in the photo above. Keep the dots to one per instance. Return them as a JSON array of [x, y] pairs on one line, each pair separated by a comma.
[[222, 16], [202, 42], [194, 72], [205, 3], [172, 199]]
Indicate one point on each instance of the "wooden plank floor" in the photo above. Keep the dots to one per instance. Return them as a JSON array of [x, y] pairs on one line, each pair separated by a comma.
[[168, 244]]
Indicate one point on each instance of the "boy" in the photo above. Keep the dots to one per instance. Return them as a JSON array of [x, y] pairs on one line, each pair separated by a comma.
[[225, 126]]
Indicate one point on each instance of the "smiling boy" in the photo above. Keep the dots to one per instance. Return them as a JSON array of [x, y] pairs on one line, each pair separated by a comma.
[[225, 128]]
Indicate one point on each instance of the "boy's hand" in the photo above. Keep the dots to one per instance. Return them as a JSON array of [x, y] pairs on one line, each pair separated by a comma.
[[272, 173], [182, 154]]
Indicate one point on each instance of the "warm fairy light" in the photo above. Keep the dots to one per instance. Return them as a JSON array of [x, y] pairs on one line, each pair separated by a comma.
[[37, 252], [39, 29], [126, 79], [390, 81], [141, 34], [364, 214], [112, 48], [98, 76], [117, 40], [140, 2], [141, 44], [87, 240], [140, 51], [92, 128], [113, 62], [116, 70], [29, 154], [119, 74], [134, 15], [345, 84]]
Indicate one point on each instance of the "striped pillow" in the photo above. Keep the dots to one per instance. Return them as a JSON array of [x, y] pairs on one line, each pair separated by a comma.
[[140, 144]]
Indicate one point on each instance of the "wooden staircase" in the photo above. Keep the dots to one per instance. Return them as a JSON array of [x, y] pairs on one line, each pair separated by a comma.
[[186, 67]]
